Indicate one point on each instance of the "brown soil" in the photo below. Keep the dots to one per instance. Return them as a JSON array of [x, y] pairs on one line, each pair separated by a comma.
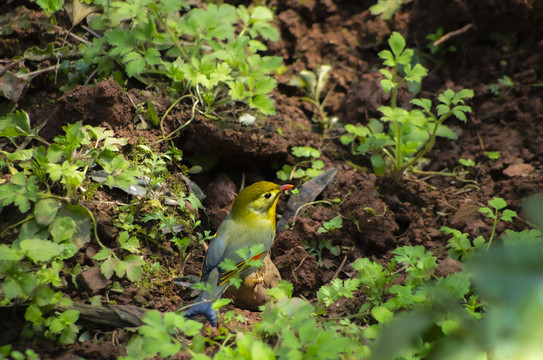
[[506, 38]]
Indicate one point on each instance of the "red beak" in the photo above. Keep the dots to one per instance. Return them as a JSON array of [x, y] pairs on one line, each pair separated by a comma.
[[286, 187]]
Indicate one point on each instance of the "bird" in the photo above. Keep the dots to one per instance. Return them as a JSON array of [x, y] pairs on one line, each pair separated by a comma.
[[250, 222]]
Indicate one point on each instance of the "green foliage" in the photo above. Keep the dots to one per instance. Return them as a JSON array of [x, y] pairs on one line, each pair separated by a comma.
[[440, 51], [181, 219], [196, 51], [408, 312], [387, 8], [411, 133], [29, 354], [338, 289], [327, 226], [50, 6], [502, 88], [49, 228], [496, 215], [293, 326], [316, 248], [158, 335], [300, 170], [460, 246], [492, 155], [313, 85]]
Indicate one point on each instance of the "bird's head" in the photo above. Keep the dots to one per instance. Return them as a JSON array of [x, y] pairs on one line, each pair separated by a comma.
[[258, 199]]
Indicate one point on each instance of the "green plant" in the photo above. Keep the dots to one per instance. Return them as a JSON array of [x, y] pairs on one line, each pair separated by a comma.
[[297, 171], [460, 246], [50, 6], [181, 219], [411, 134], [292, 325], [313, 85], [492, 155], [506, 214], [438, 52], [5, 352], [158, 336], [328, 226], [316, 247], [50, 224], [502, 88], [387, 8], [201, 52]]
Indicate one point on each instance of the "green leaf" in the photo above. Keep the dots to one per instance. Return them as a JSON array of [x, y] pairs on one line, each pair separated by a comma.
[[283, 289], [416, 74], [133, 265], [15, 124], [21, 284], [40, 250], [461, 95], [46, 210], [426, 104], [263, 103], [497, 203], [467, 162], [264, 85], [261, 13], [20, 192], [128, 242], [50, 6], [489, 212], [305, 151], [508, 215], [396, 43], [388, 58], [492, 155], [69, 316], [379, 166], [382, 314], [102, 254], [34, 315], [7, 253], [62, 228], [387, 85], [109, 266]]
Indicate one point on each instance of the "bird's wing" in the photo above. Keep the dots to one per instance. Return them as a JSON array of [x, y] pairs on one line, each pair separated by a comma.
[[229, 239]]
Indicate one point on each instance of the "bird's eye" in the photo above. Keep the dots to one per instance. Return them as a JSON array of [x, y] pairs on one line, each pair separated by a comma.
[[267, 195]]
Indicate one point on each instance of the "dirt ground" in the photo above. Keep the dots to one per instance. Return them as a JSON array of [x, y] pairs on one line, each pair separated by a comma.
[[505, 37]]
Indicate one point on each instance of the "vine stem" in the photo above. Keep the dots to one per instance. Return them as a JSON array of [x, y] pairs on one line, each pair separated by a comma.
[[496, 219]]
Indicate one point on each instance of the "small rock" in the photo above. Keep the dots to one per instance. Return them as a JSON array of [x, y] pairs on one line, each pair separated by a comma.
[[92, 280], [90, 252], [448, 266]]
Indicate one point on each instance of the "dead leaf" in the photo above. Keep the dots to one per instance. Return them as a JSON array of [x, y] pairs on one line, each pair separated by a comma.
[[519, 170]]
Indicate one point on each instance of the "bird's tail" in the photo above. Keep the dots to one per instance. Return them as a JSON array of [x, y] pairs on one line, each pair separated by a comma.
[[203, 307]]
